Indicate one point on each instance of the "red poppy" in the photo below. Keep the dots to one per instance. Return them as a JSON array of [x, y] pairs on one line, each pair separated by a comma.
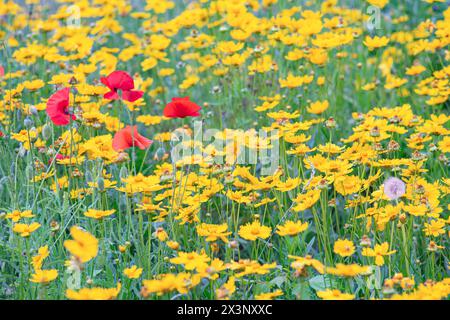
[[120, 80], [126, 138], [2, 71], [181, 108], [57, 107]]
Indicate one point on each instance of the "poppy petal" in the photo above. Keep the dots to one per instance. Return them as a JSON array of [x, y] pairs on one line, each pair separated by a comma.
[[122, 140], [181, 108], [120, 80], [57, 105], [111, 95], [126, 138], [132, 95]]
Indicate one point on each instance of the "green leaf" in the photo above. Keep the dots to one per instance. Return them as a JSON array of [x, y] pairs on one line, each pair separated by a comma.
[[278, 281], [321, 282]]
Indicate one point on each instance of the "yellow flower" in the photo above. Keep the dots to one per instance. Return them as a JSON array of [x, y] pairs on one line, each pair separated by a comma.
[[334, 295], [289, 184], [301, 262], [190, 260], [225, 291], [435, 228], [181, 282], [38, 259], [211, 270], [94, 293], [350, 270], [230, 46], [98, 214], [307, 200], [378, 3], [269, 295], [26, 229], [161, 234], [378, 252], [291, 228], [346, 185], [213, 232], [344, 247], [44, 276], [444, 144], [84, 245], [254, 230], [295, 81], [16, 215], [415, 70], [375, 42], [34, 85], [173, 245], [133, 272], [250, 267], [318, 107]]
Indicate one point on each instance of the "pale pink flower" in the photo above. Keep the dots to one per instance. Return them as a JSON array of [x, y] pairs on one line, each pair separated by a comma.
[[394, 188]]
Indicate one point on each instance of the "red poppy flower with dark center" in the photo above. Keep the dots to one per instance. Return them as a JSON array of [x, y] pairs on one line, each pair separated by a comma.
[[57, 107], [129, 137], [181, 108], [120, 80]]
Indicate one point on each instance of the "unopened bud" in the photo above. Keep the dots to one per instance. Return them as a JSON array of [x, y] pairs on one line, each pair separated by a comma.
[[46, 132]]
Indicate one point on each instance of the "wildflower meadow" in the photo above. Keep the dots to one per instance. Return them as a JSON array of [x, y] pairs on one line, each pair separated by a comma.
[[224, 149]]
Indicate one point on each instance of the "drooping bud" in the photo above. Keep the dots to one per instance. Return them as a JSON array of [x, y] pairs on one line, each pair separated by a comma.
[[28, 123], [46, 132]]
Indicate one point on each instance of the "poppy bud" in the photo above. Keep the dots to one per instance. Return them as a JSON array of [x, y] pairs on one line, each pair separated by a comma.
[[33, 110], [46, 132], [28, 123]]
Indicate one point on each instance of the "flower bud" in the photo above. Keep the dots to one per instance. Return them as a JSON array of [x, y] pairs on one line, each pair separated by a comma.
[[28, 122], [46, 132]]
